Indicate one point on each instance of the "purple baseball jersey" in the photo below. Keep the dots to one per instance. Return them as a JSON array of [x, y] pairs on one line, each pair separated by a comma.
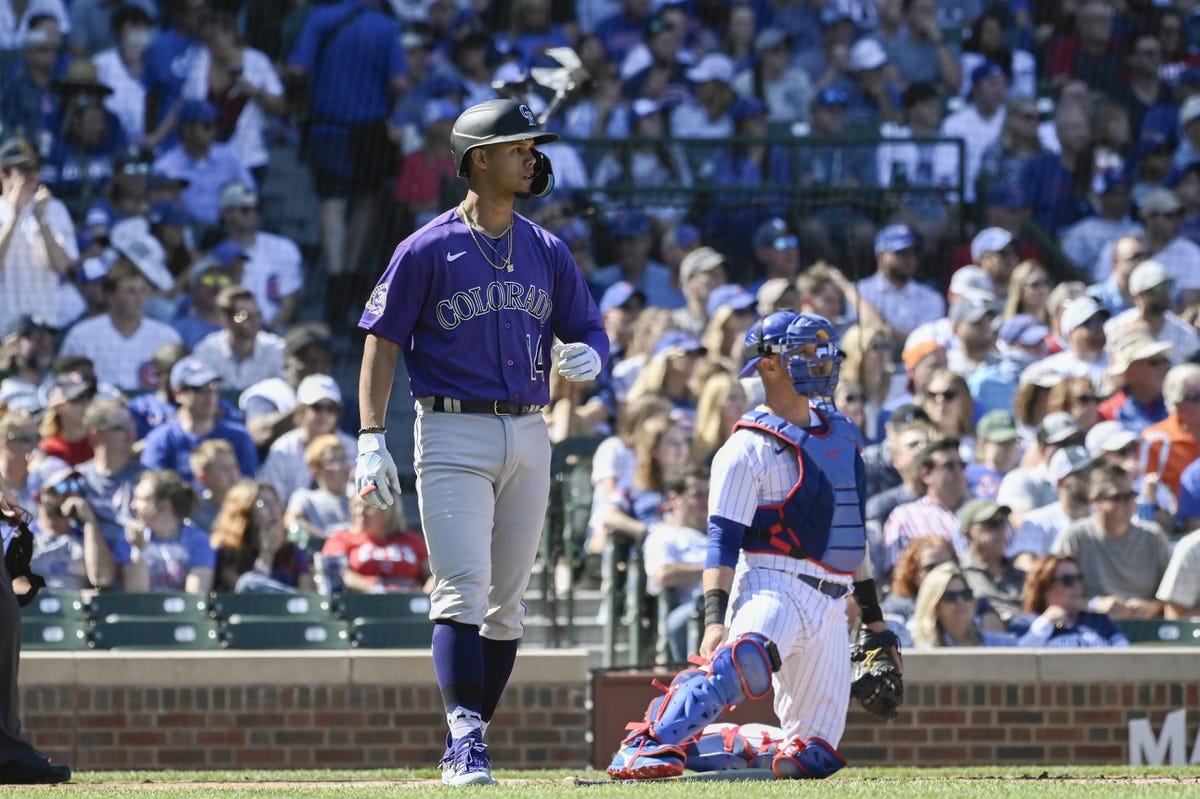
[[473, 332]]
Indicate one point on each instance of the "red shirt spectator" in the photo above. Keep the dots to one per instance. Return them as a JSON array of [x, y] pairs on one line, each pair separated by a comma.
[[381, 555]]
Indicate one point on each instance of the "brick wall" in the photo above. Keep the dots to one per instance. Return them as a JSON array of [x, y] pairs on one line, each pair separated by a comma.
[[117, 710]]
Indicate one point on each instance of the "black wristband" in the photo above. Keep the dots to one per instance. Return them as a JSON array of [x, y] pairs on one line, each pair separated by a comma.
[[716, 602], [373, 429], [868, 601]]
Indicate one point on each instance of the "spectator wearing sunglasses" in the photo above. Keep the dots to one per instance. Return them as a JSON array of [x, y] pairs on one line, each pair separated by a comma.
[[775, 253], [1172, 444], [63, 433], [1082, 327], [241, 353], [318, 412], [946, 613], [1152, 289], [69, 549], [1110, 442], [1138, 365], [940, 469], [1161, 213], [988, 571], [1122, 558], [200, 316], [1056, 610]]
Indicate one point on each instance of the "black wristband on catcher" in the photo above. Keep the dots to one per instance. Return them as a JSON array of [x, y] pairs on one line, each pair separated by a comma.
[[716, 602], [868, 601]]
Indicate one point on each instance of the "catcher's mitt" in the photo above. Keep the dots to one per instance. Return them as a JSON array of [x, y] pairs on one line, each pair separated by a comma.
[[875, 677]]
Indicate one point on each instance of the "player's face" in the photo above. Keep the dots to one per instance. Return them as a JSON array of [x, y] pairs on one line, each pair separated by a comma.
[[510, 167]]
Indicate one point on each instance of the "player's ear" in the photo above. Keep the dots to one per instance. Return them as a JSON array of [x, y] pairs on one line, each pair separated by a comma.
[[479, 157]]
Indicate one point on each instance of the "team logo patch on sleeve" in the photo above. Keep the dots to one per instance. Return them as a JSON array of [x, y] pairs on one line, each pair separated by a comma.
[[378, 299]]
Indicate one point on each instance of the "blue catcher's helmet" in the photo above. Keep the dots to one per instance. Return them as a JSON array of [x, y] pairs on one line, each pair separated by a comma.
[[811, 355], [765, 338]]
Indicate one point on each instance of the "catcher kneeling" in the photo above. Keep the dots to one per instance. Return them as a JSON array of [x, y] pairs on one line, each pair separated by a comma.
[[786, 547]]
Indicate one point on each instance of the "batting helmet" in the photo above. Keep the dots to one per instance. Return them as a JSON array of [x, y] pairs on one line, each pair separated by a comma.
[[811, 355], [765, 338], [493, 122]]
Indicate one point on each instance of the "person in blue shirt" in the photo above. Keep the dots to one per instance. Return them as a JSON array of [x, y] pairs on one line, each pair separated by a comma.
[[1056, 614], [165, 66], [1058, 184]]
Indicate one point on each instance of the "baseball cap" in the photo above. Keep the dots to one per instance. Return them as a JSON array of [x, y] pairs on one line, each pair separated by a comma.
[[275, 391], [714, 66], [17, 152], [618, 294], [747, 108], [132, 238], [227, 252], [1136, 346], [678, 339], [992, 239], [1040, 374], [52, 472], [71, 386], [1007, 195], [915, 353], [971, 279], [832, 14], [192, 372], [168, 212], [629, 224], [1108, 437], [970, 308], [904, 414], [769, 39], [315, 388], [1056, 428], [644, 107], [977, 510], [196, 111], [699, 260], [773, 232], [1146, 276], [300, 337], [236, 194], [997, 426], [1190, 110], [867, 54], [771, 292], [1159, 201], [1079, 311], [572, 230], [829, 97], [731, 294], [93, 269], [682, 235], [895, 238], [988, 69], [1063, 293], [97, 218], [1023, 329], [28, 323], [201, 268], [161, 181], [1068, 461], [1110, 180], [439, 109]]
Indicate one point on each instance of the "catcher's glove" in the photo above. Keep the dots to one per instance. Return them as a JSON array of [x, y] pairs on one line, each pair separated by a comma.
[[875, 676]]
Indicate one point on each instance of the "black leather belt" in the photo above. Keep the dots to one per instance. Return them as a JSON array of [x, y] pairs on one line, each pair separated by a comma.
[[826, 587], [495, 408]]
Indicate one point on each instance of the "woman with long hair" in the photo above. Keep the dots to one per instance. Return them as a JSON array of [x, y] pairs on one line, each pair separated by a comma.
[[669, 374], [18, 442], [1055, 603], [1077, 396], [945, 613], [654, 174], [1029, 292], [253, 552], [918, 558], [987, 41], [948, 402], [870, 362], [167, 553], [382, 554], [62, 430], [722, 402]]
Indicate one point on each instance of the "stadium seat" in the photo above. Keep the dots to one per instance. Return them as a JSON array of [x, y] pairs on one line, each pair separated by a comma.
[[392, 633], [288, 606], [175, 605], [63, 605], [255, 632], [48, 633], [1161, 631], [384, 606], [121, 632]]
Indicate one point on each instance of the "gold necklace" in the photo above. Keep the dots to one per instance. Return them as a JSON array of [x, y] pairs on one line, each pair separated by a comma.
[[505, 263]]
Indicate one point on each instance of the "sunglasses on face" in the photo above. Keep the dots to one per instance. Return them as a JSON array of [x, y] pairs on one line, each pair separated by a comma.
[[326, 407], [965, 595], [947, 395], [950, 466], [71, 486], [1192, 398], [1087, 399], [1122, 497], [785, 242], [1069, 580], [211, 281]]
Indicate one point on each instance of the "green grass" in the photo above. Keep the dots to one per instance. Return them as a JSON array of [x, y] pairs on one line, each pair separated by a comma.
[[1050, 782]]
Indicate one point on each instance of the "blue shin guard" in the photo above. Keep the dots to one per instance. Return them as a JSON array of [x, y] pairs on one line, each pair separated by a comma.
[[697, 697], [810, 759], [719, 748]]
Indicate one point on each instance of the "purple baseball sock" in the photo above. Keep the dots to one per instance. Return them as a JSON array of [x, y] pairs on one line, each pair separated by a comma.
[[458, 661], [498, 660]]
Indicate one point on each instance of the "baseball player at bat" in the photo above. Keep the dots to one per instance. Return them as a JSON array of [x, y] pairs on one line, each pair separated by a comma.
[[786, 546], [474, 301]]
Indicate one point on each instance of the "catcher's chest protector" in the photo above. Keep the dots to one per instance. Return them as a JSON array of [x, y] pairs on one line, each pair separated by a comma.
[[821, 517]]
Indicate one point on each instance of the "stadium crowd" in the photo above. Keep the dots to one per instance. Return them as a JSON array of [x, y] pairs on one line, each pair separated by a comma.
[[1012, 190]]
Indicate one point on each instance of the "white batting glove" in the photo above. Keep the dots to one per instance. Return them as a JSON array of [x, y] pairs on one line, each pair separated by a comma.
[[375, 475], [577, 361]]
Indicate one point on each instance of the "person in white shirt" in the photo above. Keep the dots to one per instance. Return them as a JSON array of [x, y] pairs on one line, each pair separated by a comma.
[[37, 238], [121, 342], [241, 353], [120, 68], [1082, 326], [1068, 473], [892, 292], [979, 124], [273, 270], [1161, 213], [1151, 286]]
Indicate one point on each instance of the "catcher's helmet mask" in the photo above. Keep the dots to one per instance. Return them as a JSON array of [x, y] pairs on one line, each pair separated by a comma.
[[766, 337], [495, 122]]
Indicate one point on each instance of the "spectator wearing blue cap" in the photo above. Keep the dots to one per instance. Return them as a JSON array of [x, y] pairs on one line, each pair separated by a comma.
[[1020, 340], [1083, 241], [892, 291], [980, 122], [1057, 183], [837, 169], [775, 248], [272, 266], [198, 316], [70, 552], [988, 40], [632, 239], [201, 160], [654, 176], [177, 43], [1087, 52], [731, 313], [620, 308]]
